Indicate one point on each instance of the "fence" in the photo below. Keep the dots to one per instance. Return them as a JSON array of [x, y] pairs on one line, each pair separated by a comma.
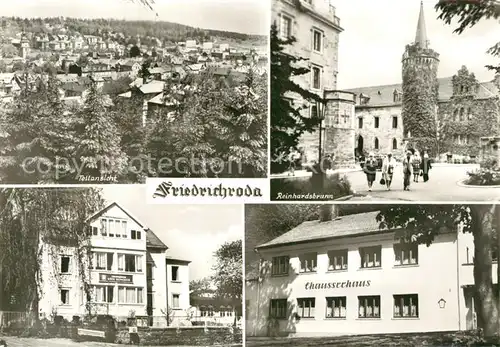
[[9, 318], [182, 320]]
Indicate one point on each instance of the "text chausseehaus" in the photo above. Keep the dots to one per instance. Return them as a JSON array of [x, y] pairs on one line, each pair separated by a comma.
[[166, 189]]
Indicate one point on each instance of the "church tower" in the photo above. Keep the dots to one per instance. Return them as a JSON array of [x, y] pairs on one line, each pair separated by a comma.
[[420, 91]]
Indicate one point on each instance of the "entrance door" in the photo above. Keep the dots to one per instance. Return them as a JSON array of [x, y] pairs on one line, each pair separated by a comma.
[[360, 144]]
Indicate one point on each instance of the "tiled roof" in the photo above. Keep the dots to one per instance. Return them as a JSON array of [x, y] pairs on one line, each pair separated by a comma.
[[349, 225], [384, 95], [152, 241]]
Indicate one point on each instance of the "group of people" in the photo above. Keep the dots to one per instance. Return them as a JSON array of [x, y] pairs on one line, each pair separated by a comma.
[[414, 165]]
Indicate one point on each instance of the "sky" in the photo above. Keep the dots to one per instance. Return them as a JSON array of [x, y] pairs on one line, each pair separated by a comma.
[[376, 32], [245, 16], [191, 232]]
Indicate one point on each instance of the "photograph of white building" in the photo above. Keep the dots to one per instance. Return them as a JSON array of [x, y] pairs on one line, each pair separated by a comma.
[[130, 271], [348, 275]]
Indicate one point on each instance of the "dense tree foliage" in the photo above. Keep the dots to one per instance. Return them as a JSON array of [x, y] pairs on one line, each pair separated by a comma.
[[288, 122], [228, 272], [34, 222]]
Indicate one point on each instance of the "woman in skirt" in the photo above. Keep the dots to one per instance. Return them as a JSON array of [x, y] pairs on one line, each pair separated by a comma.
[[416, 166], [370, 169], [388, 170]]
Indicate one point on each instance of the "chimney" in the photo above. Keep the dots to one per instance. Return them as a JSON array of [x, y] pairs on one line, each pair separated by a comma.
[[327, 212]]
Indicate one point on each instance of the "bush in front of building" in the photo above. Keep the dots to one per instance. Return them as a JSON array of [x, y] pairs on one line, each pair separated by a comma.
[[334, 186], [487, 175]]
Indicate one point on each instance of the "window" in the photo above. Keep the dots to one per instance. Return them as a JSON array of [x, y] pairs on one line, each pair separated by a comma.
[[370, 256], [394, 122], [369, 306], [394, 144], [317, 40], [130, 295], [316, 77], [130, 262], [469, 113], [406, 306], [175, 273], [336, 307], [64, 296], [65, 261], [461, 117], [175, 301], [337, 260], [313, 111], [306, 307], [376, 122], [104, 294], [280, 266], [113, 227], [375, 144], [95, 231], [406, 253], [285, 26], [360, 122], [124, 229], [308, 262], [494, 256], [100, 261], [278, 308], [455, 115], [135, 234]]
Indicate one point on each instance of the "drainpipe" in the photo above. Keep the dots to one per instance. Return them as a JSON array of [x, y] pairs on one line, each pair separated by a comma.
[[166, 291]]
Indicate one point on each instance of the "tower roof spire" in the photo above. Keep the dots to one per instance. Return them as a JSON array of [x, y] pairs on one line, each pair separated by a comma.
[[421, 35]]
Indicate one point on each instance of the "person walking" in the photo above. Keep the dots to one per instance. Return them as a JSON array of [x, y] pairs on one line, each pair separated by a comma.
[[292, 158], [425, 165], [388, 170], [416, 161], [370, 169], [407, 170]]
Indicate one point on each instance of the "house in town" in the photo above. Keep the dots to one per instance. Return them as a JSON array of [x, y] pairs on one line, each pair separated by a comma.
[[346, 275], [124, 268]]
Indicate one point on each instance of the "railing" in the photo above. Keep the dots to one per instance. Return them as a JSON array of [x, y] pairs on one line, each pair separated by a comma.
[[9, 318]]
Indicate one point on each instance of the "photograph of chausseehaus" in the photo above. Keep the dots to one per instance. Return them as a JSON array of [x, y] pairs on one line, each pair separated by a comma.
[[119, 90], [371, 275], [82, 265], [385, 100]]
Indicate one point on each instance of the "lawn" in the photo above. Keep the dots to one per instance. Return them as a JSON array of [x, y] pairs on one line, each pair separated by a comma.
[[441, 339]]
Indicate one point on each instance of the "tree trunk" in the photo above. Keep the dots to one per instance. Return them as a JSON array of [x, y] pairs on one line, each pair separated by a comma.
[[482, 229]]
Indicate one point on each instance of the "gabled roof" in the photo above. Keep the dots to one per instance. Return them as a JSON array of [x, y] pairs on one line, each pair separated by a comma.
[[153, 87], [152, 241], [345, 226]]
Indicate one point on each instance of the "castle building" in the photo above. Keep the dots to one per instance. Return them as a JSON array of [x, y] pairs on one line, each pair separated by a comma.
[[445, 115], [316, 28], [125, 268], [24, 48], [347, 276]]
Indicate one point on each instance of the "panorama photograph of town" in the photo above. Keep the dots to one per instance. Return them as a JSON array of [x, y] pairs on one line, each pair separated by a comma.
[[117, 91]]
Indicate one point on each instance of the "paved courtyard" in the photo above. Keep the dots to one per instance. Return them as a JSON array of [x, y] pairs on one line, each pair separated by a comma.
[[443, 185]]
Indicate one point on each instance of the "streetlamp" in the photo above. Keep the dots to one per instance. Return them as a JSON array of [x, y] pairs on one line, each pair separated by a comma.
[[320, 114]]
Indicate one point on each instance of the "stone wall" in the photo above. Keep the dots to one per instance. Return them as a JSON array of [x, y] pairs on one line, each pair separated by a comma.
[[483, 120], [385, 133], [340, 142], [191, 336]]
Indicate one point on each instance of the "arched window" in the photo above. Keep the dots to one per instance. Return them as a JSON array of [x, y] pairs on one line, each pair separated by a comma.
[[375, 144], [469, 113], [394, 144], [461, 114], [455, 115]]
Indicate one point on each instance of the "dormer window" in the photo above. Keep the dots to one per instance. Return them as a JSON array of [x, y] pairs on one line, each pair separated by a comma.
[[396, 96], [363, 99]]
